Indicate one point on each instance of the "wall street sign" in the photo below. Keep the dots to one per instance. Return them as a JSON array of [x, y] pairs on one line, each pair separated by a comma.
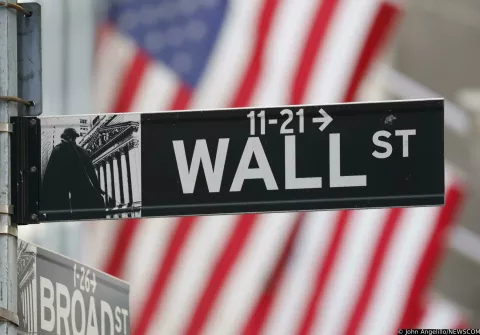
[[273, 159], [57, 295]]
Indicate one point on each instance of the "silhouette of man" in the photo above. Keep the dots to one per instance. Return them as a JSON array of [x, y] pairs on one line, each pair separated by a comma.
[[71, 189]]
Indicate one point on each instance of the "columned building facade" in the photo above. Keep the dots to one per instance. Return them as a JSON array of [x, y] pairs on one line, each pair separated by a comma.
[[27, 293], [114, 147]]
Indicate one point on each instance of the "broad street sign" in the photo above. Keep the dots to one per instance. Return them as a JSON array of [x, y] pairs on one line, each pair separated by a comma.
[[57, 295], [273, 159]]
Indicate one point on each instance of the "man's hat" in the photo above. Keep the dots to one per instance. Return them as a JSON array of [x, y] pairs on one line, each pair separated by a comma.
[[70, 133]]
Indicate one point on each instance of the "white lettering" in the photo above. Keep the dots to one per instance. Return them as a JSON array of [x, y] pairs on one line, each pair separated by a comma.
[[336, 179], [253, 147], [383, 144], [78, 298], [68, 313], [291, 180], [125, 314], [405, 133], [106, 309], [213, 175], [92, 329], [118, 320], [62, 311], [46, 303]]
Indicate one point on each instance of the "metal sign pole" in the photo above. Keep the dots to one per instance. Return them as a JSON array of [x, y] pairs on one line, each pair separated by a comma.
[[8, 239]]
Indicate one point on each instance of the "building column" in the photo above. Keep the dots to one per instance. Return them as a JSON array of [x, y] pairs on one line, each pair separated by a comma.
[[105, 186], [125, 179], [100, 175], [24, 306], [129, 176], [32, 305], [29, 308], [120, 178], [135, 165], [34, 299], [109, 181], [112, 180], [117, 180], [27, 316]]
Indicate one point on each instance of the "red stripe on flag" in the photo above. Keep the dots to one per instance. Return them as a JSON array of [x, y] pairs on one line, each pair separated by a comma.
[[260, 312], [182, 98], [164, 271], [324, 273], [432, 255], [128, 89], [101, 34], [461, 324], [381, 27], [383, 243], [253, 71], [131, 82], [224, 264], [421, 309], [245, 224], [114, 265], [313, 48]]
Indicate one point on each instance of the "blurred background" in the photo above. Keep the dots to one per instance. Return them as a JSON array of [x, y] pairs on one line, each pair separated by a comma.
[[337, 272]]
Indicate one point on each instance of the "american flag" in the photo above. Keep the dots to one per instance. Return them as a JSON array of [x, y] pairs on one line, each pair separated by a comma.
[[330, 272]]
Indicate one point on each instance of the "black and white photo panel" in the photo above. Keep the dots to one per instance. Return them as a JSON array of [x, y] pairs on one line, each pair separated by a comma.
[[90, 167]]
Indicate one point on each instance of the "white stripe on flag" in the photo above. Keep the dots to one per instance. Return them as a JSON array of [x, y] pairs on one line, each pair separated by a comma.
[[249, 274], [114, 55], [345, 40], [403, 87], [451, 176], [146, 254], [230, 57], [157, 89], [399, 270], [294, 291], [466, 242], [101, 236], [440, 314], [349, 272], [189, 277], [289, 33]]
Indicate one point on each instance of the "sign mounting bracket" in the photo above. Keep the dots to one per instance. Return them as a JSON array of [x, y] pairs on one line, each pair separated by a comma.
[[10, 230], [6, 209], [29, 58], [6, 128], [25, 169]]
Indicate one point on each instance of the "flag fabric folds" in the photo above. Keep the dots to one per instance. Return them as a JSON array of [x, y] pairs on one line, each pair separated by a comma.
[[329, 272]]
